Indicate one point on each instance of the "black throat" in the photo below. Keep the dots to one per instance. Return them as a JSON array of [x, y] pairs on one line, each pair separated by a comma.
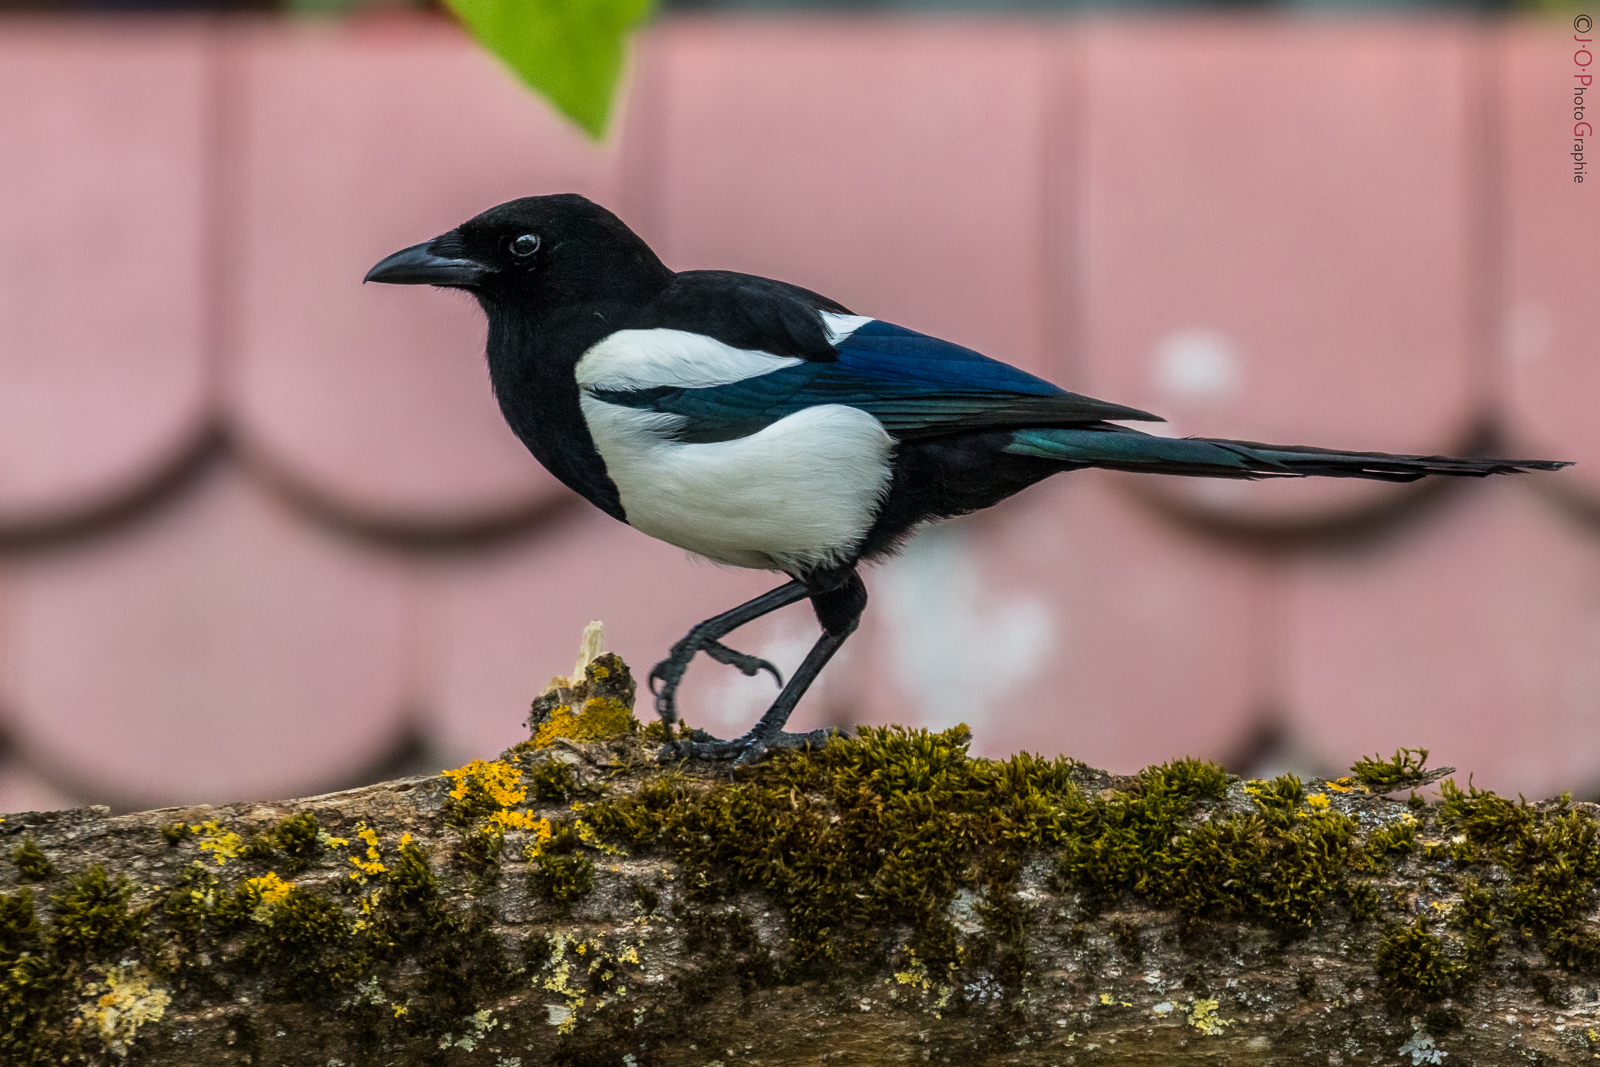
[[532, 356]]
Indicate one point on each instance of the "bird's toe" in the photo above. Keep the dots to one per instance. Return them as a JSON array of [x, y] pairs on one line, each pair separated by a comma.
[[749, 665], [745, 750]]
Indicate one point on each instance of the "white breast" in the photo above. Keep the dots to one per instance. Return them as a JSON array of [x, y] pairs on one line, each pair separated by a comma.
[[798, 494]]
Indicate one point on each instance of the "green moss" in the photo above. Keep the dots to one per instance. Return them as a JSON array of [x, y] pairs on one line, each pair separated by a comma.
[[457, 954], [552, 781], [1196, 779], [479, 854], [41, 964], [1412, 967], [559, 871], [20, 932], [289, 847], [1382, 845], [1278, 865], [1305, 984], [726, 952], [303, 945], [1280, 797], [1364, 902], [30, 985], [92, 920], [176, 833], [1475, 917], [190, 901], [1404, 769], [1552, 855], [645, 897], [32, 864], [887, 827]]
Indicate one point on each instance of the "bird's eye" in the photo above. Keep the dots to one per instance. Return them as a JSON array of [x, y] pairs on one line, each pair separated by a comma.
[[525, 246]]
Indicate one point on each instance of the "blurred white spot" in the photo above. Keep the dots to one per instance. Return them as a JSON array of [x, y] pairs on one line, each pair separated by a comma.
[[1528, 329], [957, 646], [1197, 366], [1217, 492]]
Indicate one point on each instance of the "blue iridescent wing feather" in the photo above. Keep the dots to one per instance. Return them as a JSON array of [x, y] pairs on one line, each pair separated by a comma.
[[916, 385]]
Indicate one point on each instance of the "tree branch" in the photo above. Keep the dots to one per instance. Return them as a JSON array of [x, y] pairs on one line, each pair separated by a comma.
[[884, 899]]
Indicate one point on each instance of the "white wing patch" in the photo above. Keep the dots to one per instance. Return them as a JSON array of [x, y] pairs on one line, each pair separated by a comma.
[[842, 326], [651, 359], [797, 494]]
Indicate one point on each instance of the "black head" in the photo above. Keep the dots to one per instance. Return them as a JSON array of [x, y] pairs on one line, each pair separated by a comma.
[[537, 252]]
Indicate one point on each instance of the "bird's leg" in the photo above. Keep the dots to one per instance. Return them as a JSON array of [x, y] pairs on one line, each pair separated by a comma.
[[838, 599], [703, 638]]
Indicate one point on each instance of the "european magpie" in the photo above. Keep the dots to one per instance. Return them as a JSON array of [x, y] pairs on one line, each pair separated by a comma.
[[763, 425]]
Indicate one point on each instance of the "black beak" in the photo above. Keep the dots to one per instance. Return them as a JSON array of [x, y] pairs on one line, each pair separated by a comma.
[[429, 264]]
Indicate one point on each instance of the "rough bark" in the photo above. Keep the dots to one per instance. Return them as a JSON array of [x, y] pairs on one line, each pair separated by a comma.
[[887, 900]]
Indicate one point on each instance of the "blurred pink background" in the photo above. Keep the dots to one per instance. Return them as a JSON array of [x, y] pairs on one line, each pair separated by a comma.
[[262, 531]]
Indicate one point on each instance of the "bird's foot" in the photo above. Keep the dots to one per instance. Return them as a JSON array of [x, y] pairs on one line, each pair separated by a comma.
[[742, 750], [669, 672]]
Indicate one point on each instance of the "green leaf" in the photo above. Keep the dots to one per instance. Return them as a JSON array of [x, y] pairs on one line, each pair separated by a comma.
[[569, 51]]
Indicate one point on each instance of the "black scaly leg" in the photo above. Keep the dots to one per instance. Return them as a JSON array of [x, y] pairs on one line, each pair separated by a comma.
[[703, 638], [838, 597]]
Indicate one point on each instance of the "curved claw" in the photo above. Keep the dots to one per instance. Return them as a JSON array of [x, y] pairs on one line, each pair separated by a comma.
[[670, 671], [749, 665]]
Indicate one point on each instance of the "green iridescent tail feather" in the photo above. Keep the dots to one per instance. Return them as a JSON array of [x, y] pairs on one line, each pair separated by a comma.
[[1118, 448]]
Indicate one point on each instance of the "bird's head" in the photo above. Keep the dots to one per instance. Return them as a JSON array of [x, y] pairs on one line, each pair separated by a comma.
[[539, 251]]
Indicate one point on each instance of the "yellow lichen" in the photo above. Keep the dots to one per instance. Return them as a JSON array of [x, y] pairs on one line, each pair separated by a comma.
[[1319, 801], [600, 717], [268, 891], [121, 1003], [519, 820], [497, 778], [222, 843], [542, 832], [372, 865], [1204, 1018]]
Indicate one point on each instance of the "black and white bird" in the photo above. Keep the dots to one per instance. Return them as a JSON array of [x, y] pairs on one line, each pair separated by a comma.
[[759, 424]]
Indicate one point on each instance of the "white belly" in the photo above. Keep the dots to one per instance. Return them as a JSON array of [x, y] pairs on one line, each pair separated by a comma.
[[798, 494]]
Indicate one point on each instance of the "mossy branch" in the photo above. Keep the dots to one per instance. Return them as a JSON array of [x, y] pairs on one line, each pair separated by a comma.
[[886, 898]]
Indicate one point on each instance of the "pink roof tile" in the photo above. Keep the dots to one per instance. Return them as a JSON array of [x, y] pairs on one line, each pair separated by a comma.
[[1069, 620], [356, 141], [102, 284], [1264, 230], [1474, 634], [1277, 232], [223, 649], [1551, 371], [897, 166], [503, 623]]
